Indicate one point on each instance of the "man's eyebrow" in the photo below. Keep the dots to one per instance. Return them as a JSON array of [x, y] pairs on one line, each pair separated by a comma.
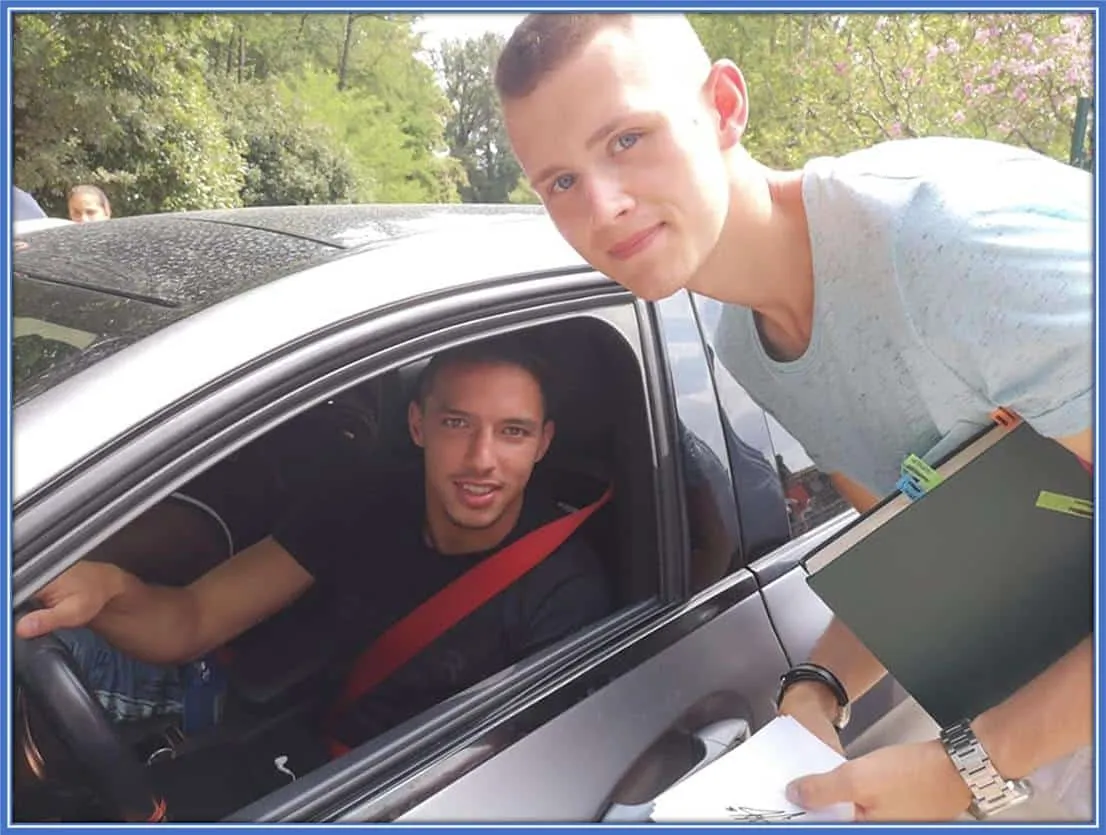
[[446, 409], [598, 135], [522, 423]]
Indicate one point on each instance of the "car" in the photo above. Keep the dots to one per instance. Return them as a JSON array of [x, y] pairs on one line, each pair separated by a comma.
[[181, 380]]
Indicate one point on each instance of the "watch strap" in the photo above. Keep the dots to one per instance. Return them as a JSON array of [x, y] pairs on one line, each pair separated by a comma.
[[991, 792]]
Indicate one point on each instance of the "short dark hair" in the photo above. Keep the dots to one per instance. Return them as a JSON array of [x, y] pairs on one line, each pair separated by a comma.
[[543, 43], [497, 350], [94, 191]]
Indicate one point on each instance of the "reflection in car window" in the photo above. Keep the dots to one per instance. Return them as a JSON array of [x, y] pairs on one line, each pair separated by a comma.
[[713, 524], [38, 346], [810, 497]]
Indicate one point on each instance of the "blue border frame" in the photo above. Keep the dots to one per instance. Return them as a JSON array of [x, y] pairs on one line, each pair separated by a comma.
[[7, 7]]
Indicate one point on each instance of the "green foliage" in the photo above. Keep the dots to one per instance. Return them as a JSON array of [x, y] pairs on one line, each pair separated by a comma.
[[831, 83], [475, 130], [119, 100], [185, 111], [289, 157]]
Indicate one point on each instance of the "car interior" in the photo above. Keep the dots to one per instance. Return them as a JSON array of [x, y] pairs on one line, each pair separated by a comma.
[[278, 671]]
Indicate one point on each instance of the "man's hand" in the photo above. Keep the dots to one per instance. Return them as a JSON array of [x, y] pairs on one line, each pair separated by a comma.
[[905, 783], [813, 706], [73, 599]]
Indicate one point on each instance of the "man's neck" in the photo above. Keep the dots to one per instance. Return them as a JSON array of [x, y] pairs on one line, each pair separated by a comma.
[[763, 259]]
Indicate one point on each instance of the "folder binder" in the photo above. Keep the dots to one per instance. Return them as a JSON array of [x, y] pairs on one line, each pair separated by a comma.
[[975, 576]]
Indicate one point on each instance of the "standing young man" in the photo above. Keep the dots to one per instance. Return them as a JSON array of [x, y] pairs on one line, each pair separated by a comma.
[[880, 304]]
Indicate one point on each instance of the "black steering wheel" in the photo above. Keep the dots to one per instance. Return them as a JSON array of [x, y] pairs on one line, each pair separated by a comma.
[[47, 671]]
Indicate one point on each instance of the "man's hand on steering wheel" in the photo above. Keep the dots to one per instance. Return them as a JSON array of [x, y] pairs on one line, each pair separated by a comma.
[[72, 599]]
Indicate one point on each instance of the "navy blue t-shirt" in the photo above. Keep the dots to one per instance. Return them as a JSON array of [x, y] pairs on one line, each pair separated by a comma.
[[366, 549]]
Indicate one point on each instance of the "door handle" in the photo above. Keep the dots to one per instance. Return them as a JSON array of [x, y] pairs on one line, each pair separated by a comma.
[[711, 741]]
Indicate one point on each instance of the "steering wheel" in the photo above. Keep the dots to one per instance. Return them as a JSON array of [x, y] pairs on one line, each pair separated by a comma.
[[49, 674]]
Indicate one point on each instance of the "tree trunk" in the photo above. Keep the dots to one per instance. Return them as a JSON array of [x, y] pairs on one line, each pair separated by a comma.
[[241, 55], [343, 63]]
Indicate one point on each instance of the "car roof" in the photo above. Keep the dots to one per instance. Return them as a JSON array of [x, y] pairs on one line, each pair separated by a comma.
[[119, 281], [357, 260]]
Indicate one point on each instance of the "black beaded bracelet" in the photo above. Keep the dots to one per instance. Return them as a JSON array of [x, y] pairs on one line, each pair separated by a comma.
[[816, 672]]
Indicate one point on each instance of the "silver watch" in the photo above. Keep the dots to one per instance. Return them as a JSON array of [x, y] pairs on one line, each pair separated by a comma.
[[991, 792]]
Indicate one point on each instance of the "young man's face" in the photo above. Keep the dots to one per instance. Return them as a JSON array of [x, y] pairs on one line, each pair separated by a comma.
[[85, 208], [482, 428], [627, 159]]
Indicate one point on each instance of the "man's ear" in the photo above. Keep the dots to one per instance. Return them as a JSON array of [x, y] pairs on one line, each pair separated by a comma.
[[729, 101], [414, 422], [547, 431]]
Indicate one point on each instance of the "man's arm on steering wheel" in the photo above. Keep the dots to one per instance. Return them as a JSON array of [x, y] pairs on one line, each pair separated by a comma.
[[164, 625]]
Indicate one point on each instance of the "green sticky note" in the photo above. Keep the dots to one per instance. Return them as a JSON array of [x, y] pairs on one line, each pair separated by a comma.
[[1065, 504], [924, 475]]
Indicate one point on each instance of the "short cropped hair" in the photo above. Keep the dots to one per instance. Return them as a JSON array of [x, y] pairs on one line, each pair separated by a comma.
[[497, 350], [543, 43]]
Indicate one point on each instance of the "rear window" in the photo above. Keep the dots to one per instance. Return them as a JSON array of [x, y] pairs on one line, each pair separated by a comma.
[[58, 329]]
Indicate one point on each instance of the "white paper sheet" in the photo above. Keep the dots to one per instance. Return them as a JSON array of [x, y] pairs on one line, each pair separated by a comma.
[[748, 783]]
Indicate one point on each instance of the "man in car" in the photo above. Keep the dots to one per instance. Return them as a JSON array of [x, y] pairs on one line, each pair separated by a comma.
[[880, 304], [376, 553]]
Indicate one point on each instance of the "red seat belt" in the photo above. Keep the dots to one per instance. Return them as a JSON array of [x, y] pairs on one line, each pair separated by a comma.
[[412, 633]]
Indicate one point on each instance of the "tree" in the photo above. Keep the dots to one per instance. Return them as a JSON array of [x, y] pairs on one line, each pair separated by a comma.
[[290, 158], [184, 111], [120, 100], [830, 83], [475, 131]]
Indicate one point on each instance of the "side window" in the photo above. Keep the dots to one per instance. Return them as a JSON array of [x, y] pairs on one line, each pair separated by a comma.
[[713, 525], [791, 496], [343, 488]]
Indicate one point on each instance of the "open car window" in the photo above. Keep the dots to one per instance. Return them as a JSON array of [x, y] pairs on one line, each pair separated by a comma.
[[269, 692]]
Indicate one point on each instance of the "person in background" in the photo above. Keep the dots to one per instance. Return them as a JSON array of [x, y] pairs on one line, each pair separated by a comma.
[[88, 203], [25, 207]]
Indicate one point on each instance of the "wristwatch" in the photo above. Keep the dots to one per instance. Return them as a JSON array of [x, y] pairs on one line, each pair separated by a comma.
[[816, 672], [991, 792]]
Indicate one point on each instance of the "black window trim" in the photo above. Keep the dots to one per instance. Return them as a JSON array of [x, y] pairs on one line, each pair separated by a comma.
[[674, 537]]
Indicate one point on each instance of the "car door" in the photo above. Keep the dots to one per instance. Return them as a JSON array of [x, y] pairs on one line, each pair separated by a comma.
[[575, 732]]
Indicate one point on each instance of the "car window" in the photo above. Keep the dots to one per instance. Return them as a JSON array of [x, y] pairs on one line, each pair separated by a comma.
[[788, 497], [347, 451], [714, 528]]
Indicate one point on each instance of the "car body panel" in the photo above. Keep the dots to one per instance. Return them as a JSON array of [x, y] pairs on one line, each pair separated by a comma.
[[568, 769]]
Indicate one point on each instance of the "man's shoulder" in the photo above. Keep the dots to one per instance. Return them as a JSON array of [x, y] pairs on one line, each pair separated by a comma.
[[935, 157], [951, 178]]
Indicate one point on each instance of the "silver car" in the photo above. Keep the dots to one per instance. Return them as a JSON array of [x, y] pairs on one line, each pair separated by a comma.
[[180, 380]]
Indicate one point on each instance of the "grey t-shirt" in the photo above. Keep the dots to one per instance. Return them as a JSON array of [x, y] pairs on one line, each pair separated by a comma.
[[951, 277]]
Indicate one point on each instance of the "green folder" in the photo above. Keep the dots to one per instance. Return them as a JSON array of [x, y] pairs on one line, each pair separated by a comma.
[[970, 591]]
